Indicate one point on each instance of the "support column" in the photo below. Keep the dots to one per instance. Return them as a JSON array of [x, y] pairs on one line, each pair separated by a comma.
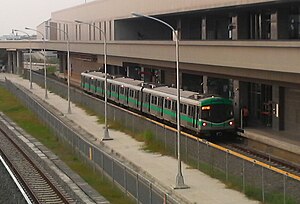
[[14, 62], [179, 29], [236, 99], [127, 71], [277, 107], [203, 29], [204, 85], [142, 73], [170, 77], [9, 62], [233, 28], [274, 26], [20, 66], [62, 62]]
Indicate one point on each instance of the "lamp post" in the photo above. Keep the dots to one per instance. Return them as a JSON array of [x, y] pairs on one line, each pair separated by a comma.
[[45, 70], [106, 133], [30, 57], [68, 56], [179, 178]]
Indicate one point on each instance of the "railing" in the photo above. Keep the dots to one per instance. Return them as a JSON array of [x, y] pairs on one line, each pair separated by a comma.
[[254, 178], [126, 177]]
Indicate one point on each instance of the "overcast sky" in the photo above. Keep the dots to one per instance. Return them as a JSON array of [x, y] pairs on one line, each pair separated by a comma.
[[18, 14]]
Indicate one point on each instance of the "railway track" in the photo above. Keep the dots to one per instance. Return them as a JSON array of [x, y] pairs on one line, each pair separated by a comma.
[[263, 157], [234, 146], [35, 180]]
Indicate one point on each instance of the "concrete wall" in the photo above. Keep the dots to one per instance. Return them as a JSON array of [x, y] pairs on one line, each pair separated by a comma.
[[268, 60], [292, 110], [102, 10]]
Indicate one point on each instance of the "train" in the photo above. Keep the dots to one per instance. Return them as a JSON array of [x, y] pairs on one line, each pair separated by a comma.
[[202, 114]]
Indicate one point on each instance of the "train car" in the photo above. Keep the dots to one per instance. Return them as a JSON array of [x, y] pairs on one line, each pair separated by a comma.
[[203, 114], [122, 90]]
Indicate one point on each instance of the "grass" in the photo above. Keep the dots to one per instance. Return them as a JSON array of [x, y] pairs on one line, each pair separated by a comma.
[[27, 120], [152, 145], [231, 182], [51, 69]]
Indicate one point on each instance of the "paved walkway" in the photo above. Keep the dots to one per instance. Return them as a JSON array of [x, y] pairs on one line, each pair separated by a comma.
[[203, 189]]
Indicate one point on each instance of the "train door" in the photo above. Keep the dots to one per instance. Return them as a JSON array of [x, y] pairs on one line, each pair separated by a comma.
[[191, 116], [167, 109]]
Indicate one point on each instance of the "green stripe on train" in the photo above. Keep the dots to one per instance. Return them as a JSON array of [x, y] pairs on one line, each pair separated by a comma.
[[171, 113]]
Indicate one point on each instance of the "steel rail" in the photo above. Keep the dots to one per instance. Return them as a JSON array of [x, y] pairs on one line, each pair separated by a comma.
[[28, 159]]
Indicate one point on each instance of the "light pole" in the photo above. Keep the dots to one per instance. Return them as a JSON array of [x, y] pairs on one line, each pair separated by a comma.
[[179, 178], [30, 57], [106, 133], [68, 56], [45, 70]]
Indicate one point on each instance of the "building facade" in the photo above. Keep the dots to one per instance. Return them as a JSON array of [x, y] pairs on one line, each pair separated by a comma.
[[246, 50]]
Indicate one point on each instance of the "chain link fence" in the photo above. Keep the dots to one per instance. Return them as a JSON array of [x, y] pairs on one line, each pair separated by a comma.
[[126, 176], [256, 180]]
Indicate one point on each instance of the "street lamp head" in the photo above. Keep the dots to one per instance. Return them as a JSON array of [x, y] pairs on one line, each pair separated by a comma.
[[26, 28], [137, 14], [78, 21]]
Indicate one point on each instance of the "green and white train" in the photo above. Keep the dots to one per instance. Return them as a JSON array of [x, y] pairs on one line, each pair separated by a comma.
[[202, 114]]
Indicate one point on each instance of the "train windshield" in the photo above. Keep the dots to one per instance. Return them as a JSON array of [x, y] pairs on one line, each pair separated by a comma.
[[217, 113]]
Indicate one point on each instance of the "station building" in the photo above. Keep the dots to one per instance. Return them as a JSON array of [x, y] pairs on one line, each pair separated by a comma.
[[246, 50]]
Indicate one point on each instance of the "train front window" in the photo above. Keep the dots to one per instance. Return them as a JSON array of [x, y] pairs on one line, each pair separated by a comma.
[[216, 113]]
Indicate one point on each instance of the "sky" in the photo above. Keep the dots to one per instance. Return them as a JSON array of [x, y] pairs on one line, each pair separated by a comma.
[[18, 14]]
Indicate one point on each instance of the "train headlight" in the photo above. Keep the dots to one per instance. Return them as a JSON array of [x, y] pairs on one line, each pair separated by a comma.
[[231, 123], [204, 124]]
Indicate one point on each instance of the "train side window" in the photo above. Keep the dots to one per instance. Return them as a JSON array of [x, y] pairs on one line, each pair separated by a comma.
[[183, 108], [174, 105], [191, 111], [160, 100], [166, 103], [136, 94], [154, 100]]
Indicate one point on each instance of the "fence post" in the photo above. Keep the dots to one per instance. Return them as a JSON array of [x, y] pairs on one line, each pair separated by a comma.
[[165, 137], [126, 120], [186, 148], [226, 165], [114, 114], [150, 193], [112, 169], [102, 164], [125, 180], [137, 188], [243, 172], [284, 188], [133, 124], [262, 184], [198, 155], [175, 144]]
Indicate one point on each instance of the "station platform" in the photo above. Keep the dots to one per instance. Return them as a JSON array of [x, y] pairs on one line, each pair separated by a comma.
[[202, 188], [281, 144]]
